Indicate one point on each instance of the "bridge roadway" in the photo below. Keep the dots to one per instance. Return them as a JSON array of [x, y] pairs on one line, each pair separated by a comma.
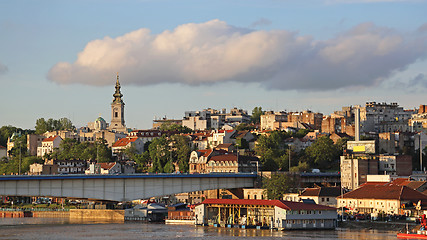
[[119, 187]]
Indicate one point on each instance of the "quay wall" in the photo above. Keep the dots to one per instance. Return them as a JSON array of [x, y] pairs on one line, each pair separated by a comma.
[[104, 214]]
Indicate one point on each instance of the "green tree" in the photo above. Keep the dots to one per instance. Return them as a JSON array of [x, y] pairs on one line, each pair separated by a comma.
[[5, 133], [43, 126], [270, 149], [323, 153], [278, 185], [174, 127], [182, 151], [341, 144], [256, 114], [159, 154], [244, 127]]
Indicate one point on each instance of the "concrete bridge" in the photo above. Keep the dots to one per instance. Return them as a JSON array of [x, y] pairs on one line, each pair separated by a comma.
[[119, 187]]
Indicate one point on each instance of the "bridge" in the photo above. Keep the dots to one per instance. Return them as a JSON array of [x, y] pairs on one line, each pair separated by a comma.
[[119, 187]]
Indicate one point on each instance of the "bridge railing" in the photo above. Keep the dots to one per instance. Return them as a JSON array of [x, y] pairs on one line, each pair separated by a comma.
[[34, 210]]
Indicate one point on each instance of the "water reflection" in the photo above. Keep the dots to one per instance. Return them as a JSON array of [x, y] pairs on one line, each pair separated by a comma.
[[57, 228]]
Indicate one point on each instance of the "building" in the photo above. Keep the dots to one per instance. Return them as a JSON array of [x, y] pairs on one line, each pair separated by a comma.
[[220, 137], [271, 120], [104, 168], [73, 166], [254, 193], [214, 119], [308, 117], [232, 163], [124, 143], [383, 117], [48, 145], [375, 199], [199, 140], [118, 111], [265, 214], [98, 125], [322, 195], [33, 142], [400, 165]]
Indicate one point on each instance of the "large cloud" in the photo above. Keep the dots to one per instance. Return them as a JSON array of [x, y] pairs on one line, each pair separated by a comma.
[[217, 52]]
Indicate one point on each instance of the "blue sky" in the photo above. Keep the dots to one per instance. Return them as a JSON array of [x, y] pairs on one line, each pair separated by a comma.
[[60, 58]]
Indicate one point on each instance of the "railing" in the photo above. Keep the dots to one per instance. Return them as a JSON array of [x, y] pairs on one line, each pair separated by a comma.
[[34, 210]]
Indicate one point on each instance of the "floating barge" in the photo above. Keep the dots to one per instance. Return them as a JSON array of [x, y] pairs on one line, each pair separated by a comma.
[[265, 214]]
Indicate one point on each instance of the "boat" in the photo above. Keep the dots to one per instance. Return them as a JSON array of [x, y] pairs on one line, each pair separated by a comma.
[[418, 232]]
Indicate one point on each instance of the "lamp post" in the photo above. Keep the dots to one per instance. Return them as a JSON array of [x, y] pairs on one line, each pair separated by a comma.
[[421, 152], [289, 158]]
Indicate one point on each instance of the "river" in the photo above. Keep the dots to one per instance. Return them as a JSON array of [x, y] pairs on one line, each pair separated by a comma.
[[50, 228]]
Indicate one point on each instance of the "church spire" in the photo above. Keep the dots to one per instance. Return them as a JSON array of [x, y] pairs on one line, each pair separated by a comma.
[[117, 94]]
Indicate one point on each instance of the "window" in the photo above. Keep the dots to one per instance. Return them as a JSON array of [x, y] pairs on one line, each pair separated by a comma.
[[116, 114]]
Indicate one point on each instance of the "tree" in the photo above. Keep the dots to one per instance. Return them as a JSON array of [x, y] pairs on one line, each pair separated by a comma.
[[5, 133], [278, 185], [43, 126], [256, 114], [323, 153], [159, 154], [244, 127], [270, 149], [174, 127], [341, 144], [182, 151]]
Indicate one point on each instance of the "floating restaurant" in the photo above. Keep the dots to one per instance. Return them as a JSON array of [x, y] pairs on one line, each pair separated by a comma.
[[253, 213]]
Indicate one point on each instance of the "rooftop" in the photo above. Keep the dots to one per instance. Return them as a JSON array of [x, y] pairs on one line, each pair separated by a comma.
[[288, 205]]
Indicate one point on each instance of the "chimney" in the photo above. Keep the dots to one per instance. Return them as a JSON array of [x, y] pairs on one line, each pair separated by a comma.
[[357, 125]]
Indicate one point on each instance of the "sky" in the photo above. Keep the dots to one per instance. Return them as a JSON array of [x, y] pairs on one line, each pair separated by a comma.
[[60, 58]]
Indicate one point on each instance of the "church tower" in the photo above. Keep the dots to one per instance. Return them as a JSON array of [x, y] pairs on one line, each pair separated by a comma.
[[118, 110]]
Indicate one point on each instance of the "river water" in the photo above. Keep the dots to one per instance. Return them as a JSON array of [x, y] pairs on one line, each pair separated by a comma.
[[54, 228]]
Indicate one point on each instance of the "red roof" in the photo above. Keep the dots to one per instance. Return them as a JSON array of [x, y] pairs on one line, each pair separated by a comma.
[[2, 147], [206, 152], [288, 205], [394, 192], [107, 166], [50, 139], [400, 181], [124, 142], [224, 157]]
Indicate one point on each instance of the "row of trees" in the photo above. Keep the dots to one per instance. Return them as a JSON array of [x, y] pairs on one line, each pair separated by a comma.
[[73, 149], [274, 153], [162, 155], [43, 126]]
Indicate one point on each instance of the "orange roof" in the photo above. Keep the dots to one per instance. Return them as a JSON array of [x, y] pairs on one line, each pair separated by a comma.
[[124, 142], [50, 139], [108, 165], [206, 152], [400, 181], [385, 192], [288, 205]]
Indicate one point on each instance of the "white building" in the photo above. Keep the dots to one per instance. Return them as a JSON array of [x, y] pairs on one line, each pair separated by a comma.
[[48, 145]]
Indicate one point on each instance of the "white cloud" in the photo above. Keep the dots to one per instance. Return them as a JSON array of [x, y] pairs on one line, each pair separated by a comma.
[[214, 51], [3, 68]]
